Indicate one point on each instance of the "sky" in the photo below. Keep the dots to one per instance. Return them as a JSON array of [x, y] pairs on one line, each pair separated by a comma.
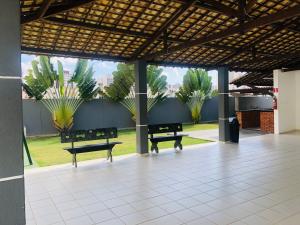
[[104, 68]]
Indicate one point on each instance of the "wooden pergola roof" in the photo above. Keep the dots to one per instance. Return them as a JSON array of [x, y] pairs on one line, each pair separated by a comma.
[[265, 78], [255, 79], [245, 35]]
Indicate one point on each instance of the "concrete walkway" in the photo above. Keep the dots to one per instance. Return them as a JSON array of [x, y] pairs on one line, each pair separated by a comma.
[[213, 135]]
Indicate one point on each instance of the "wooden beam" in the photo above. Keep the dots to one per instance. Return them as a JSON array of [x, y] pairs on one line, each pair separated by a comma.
[[232, 49], [95, 27], [250, 5], [224, 9], [53, 10], [45, 6], [270, 58], [252, 90], [71, 4], [255, 79], [293, 67], [214, 6], [50, 52], [261, 21], [295, 29], [66, 22], [72, 23], [181, 65], [242, 6], [204, 66], [164, 27], [251, 45]]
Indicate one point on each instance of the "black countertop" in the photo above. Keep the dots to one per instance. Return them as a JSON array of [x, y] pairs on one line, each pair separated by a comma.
[[260, 110]]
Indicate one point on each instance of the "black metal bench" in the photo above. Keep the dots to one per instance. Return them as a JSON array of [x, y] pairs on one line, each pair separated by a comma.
[[165, 128], [89, 135]]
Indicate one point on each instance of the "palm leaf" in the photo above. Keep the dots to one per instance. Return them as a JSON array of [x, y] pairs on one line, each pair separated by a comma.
[[197, 87]]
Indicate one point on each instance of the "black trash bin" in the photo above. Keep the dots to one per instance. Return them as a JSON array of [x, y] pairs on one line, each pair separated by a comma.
[[234, 130]]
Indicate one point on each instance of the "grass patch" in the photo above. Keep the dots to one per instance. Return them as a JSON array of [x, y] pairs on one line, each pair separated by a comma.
[[47, 151]]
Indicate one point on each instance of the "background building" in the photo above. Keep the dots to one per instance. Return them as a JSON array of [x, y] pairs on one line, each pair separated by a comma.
[[172, 89], [105, 81], [234, 76]]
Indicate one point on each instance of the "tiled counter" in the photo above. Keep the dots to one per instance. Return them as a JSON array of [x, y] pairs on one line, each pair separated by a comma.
[[267, 121], [257, 118], [248, 118]]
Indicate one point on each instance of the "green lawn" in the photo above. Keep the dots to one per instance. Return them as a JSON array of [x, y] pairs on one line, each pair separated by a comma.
[[47, 151]]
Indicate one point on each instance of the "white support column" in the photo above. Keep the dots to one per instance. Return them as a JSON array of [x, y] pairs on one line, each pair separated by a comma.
[[286, 86], [237, 103]]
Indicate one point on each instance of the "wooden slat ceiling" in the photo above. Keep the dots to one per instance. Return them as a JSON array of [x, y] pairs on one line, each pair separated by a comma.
[[244, 35], [265, 78]]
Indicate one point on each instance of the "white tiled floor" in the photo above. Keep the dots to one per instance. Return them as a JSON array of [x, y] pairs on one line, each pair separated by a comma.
[[256, 182]]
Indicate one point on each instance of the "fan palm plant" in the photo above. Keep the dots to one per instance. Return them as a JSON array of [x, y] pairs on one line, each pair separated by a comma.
[[83, 77], [129, 101], [62, 101], [123, 80], [41, 77], [122, 88], [60, 98], [196, 88]]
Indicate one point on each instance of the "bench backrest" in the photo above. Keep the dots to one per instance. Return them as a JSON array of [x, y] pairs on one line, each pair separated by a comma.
[[88, 135], [164, 128]]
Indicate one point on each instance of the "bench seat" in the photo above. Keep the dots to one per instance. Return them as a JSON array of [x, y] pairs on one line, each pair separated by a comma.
[[91, 148], [166, 138]]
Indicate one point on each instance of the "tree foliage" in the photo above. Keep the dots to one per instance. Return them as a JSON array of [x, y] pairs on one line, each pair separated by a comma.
[[157, 83], [61, 98], [39, 78], [83, 77], [196, 88], [42, 76], [122, 88], [123, 80]]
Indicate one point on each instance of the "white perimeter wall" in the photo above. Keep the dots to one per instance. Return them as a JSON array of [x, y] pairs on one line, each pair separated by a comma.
[[287, 115]]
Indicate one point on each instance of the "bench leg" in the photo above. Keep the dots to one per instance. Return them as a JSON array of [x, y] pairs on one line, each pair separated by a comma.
[[178, 144], [75, 159], [107, 158], [109, 155], [154, 147]]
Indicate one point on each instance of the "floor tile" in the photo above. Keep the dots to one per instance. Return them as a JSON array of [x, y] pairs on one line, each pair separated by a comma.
[[102, 216], [165, 220], [221, 218], [134, 218], [123, 210], [83, 220], [186, 215], [255, 182]]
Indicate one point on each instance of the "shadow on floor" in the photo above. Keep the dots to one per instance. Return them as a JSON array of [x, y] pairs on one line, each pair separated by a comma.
[[213, 135]]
